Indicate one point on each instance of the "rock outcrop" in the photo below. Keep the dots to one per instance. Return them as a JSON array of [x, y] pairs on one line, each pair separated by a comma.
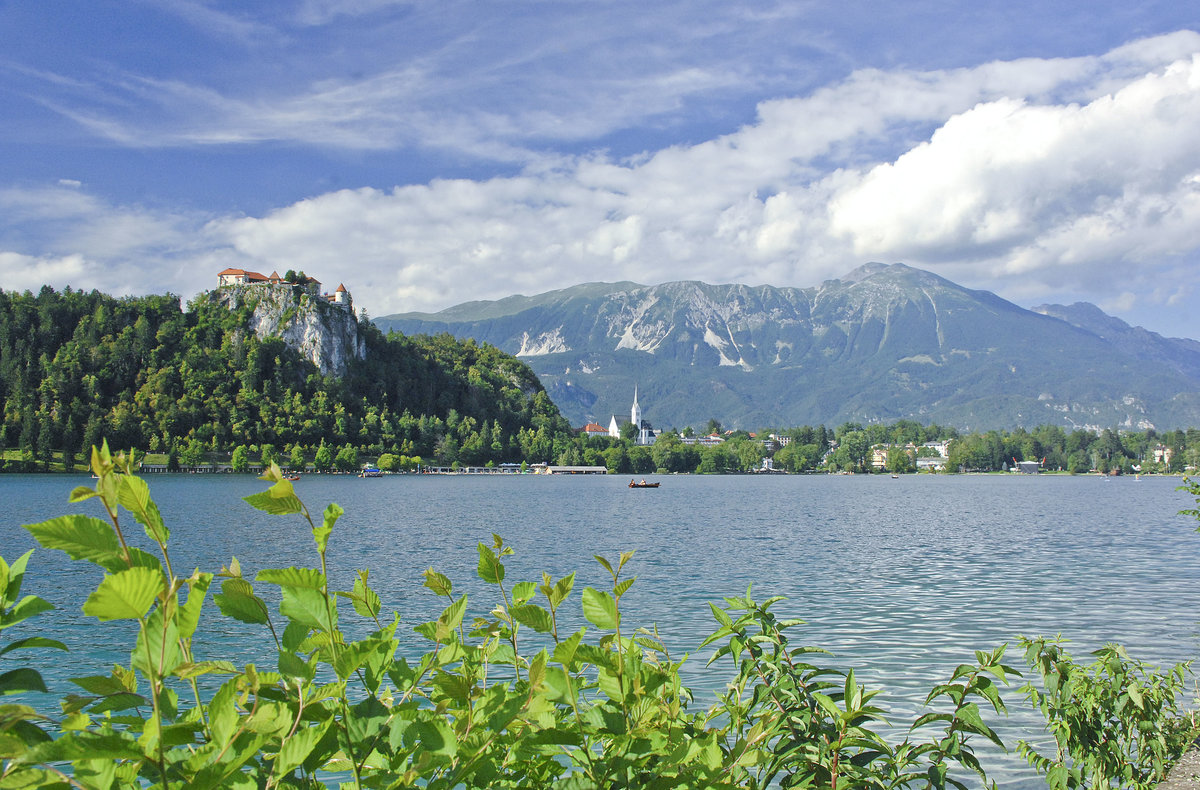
[[326, 334]]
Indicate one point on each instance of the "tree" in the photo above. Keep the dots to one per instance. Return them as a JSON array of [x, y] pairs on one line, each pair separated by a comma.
[[856, 445], [240, 461], [347, 458], [296, 458], [899, 461], [324, 458]]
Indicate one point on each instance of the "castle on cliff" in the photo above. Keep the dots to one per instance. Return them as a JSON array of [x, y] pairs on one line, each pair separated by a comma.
[[310, 285]]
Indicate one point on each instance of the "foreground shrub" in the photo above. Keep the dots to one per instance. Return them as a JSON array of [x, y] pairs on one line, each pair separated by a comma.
[[511, 697]]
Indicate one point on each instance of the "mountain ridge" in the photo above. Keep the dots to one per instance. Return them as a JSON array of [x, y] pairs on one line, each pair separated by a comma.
[[883, 342]]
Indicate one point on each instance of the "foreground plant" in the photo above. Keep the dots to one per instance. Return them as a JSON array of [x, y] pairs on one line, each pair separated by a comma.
[[1116, 722], [506, 696]]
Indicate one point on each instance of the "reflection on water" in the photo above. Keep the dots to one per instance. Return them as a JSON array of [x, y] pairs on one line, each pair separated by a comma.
[[900, 579]]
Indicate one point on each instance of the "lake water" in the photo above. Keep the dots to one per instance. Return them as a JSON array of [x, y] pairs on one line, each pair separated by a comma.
[[901, 579]]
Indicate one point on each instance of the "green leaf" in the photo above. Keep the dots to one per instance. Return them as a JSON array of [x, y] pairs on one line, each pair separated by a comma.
[[189, 612], [199, 668], [621, 587], [969, 719], [1135, 694], [490, 569], [134, 495], [309, 578], [600, 609], [604, 564], [80, 494], [29, 606], [564, 651], [365, 600], [278, 500], [438, 583], [16, 681], [534, 616], [321, 534], [562, 588], [294, 666], [451, 617], [100, 685], [433, 736], [296, 749], [82, 538], [237, 600], [118, 702], [307, 607], [156, 651], [32, 642], [127, 595], [523, 591], [13, 576]]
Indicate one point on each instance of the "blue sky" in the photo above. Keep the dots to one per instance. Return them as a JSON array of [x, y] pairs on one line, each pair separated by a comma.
[[429, 153]]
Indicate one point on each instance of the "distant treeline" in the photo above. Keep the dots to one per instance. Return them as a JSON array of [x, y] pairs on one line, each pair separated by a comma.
[[76, 367], [854, 447]]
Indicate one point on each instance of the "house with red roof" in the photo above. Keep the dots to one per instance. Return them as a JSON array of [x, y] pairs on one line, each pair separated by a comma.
[[592, 429]]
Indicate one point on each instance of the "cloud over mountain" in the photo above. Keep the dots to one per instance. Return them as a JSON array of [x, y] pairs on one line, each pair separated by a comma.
[[1043, 179]]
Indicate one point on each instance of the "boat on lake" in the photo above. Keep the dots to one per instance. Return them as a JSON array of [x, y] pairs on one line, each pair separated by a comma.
[[370, 470], [642, 484]]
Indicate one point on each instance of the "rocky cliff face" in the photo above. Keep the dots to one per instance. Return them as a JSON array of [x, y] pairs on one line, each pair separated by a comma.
[[323, 333]]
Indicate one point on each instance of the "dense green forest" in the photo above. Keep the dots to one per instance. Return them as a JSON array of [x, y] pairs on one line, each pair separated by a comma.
[[145, 373]]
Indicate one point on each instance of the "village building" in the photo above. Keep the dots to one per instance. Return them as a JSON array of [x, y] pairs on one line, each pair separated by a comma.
[[1163, 455], [712, 440], [592, 429], [645, 435]]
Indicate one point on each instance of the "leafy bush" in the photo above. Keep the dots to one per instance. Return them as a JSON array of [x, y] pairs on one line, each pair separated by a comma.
[[508, 698], [1115, 722]]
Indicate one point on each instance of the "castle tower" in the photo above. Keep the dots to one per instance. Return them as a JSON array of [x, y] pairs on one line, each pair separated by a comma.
[[342, 296]]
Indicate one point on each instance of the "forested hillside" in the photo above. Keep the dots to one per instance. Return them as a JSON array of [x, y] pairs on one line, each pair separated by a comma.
[[145, 373]]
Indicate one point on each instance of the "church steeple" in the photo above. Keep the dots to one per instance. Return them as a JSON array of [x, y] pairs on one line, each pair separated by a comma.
[[635, 414]]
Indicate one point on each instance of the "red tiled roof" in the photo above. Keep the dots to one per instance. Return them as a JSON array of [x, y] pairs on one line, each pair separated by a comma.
[[248, 274], [341, 288], [592, 427]]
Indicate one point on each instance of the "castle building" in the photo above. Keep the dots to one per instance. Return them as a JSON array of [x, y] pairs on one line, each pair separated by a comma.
[[232, 277]]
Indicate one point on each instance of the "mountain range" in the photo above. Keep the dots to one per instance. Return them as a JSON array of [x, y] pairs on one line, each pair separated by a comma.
[[882, 343]]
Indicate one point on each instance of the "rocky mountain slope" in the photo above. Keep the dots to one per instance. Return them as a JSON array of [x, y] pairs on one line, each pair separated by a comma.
[[881, 343]]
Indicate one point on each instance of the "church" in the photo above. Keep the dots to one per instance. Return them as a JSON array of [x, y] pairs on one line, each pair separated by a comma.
[[645, 431]]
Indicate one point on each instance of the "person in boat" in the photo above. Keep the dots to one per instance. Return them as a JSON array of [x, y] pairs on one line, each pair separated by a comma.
[[643, 481]]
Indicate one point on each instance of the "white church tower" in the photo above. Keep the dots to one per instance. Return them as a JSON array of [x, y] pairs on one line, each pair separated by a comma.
[[635, 414]]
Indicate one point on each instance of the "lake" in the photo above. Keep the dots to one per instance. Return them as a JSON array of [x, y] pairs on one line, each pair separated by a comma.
[[901, 579]]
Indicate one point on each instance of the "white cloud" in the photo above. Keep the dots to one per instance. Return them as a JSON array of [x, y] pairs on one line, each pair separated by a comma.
[[29, 273], [1033, 178], [1027, 187]]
